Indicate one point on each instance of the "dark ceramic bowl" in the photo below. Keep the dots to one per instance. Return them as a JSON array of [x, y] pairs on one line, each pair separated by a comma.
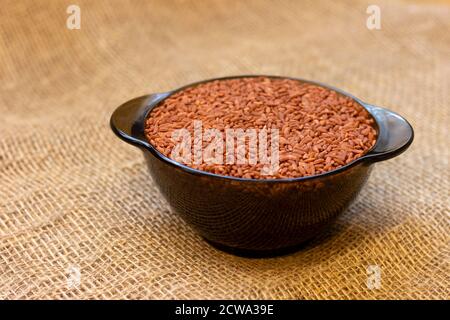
[[258, 217]]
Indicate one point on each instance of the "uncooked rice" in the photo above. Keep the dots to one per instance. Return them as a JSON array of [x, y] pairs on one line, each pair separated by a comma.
[[319, 129]]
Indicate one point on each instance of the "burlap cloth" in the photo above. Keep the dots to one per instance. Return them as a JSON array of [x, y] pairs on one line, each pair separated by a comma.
[[79, 214]]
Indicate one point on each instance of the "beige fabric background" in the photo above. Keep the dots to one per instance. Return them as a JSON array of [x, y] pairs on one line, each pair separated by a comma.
[[74, 196]]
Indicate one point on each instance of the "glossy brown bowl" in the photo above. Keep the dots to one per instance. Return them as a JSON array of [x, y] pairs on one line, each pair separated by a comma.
[[258, 217]]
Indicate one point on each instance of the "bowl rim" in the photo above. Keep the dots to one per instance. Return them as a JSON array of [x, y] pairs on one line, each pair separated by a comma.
[[139, 126]]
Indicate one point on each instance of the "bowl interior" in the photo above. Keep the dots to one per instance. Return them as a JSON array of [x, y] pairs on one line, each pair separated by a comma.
[[162, 157]]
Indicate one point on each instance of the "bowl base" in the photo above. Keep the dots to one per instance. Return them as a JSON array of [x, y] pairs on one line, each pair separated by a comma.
[[251, 253]]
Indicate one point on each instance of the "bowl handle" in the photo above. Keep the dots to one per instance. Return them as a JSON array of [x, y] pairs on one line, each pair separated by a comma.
[[128, 120], [395, 134]]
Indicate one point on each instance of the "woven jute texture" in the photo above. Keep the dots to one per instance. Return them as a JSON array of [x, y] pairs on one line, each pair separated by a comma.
[[79, 214]]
